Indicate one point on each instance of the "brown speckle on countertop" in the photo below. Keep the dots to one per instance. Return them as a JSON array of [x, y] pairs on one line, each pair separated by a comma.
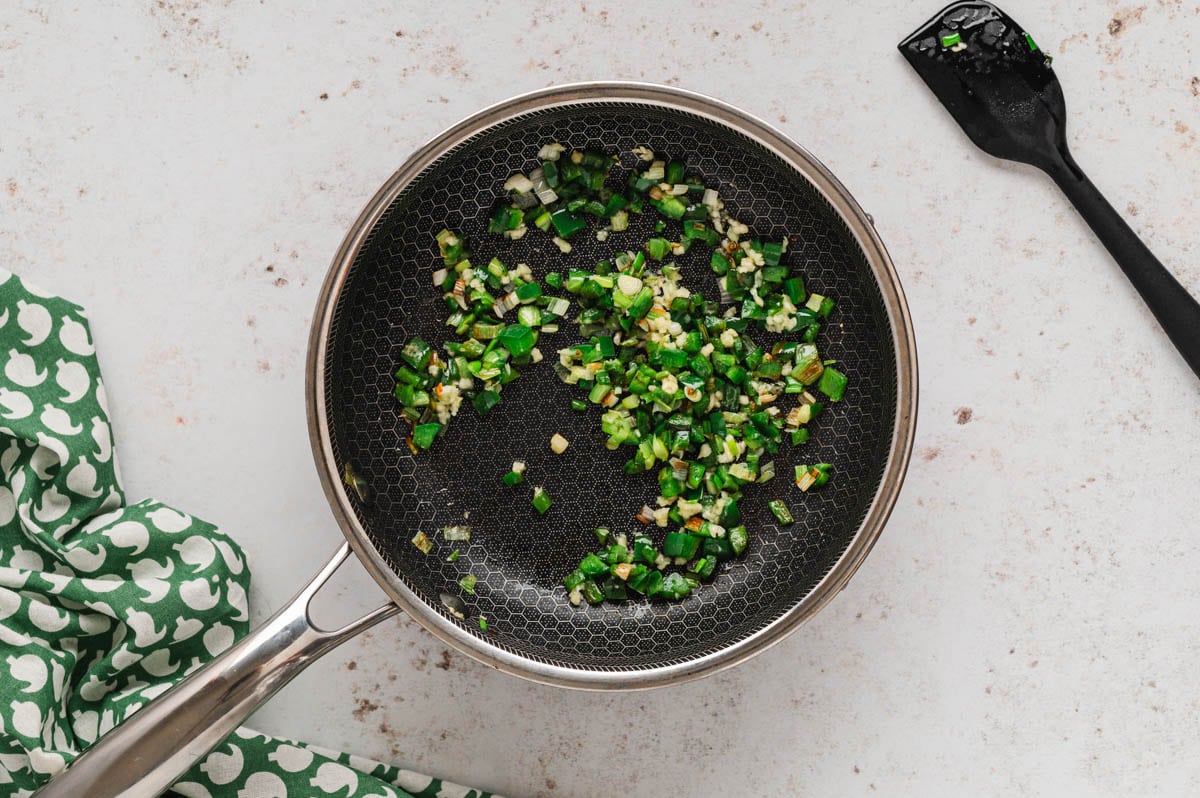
[[365, 706], [1074, 39], [323, 95], [1196, 85], [445, 662], [1123, 19], [931, 453], [963, 415], [352, 665], [280, 282]]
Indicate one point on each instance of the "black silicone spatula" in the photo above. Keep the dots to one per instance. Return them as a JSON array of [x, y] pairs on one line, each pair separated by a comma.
[[997, 83]]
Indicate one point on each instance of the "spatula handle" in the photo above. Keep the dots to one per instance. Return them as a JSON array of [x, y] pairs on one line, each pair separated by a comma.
[[1176, 310]]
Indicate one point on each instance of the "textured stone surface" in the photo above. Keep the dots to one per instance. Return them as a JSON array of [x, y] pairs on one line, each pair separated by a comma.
[[1026, 622]]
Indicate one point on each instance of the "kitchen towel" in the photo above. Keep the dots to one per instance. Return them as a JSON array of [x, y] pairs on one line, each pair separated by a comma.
[[103, 604]]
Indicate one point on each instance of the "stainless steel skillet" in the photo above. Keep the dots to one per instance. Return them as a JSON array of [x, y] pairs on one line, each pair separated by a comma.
[[378, 295]]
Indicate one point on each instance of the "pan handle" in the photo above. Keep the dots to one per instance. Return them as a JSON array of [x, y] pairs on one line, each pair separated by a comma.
[[153, 749]]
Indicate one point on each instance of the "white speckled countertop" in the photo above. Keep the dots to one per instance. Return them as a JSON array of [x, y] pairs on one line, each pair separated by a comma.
[[1026, 624]]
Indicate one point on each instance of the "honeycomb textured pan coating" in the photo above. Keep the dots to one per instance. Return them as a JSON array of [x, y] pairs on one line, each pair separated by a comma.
[[518, 556]]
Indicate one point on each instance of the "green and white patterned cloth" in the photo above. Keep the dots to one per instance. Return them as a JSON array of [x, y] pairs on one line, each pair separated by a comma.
[[104, 605]]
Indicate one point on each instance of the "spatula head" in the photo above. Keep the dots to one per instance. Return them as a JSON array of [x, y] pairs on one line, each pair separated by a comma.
[[994, 80]]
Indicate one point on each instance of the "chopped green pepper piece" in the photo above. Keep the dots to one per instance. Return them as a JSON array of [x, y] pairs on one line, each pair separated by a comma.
[[424, 434], [674, 587], [618, 554], [527, 292], [541, 500], [485, 401], [566, 223], [832, 384], [680, 544], [706, 568], [781, 512], [592, 592], [592, 565], [657, 248], [674, 173], [642, 302], [670, 206], [718, 548], [719, 263], [505, 218], [643, 550], [614, 589], [408, 377], [731, 514], [738, 539], [574, 579], [635, 577], [517, 339], [417, 354]]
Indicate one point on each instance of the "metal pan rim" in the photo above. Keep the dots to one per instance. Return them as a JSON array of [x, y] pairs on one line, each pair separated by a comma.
[[903, 433]]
